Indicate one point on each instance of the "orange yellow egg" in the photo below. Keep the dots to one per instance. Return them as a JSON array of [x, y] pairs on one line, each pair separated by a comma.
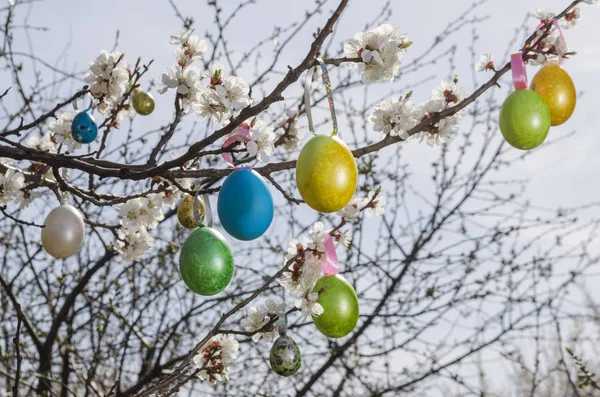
[[556, 88], [326, 173]]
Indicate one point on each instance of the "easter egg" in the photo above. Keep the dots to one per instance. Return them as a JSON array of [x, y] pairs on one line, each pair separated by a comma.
[[63, 232], [84, 128], [340, 305], [326, 173], [206, 262], [524, 119], [556, 88], [185, 212], [245, 205], [285, 356], [143, 102]]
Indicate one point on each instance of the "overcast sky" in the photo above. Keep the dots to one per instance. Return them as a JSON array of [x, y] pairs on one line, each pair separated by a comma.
[[562, 175]]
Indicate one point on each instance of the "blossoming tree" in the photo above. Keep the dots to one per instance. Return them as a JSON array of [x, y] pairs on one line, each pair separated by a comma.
[[457, 257]]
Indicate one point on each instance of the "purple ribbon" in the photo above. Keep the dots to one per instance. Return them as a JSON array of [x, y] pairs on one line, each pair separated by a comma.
[[563, 41], [519, 74]]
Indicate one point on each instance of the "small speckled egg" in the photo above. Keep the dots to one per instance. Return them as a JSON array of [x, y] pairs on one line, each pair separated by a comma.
[[556, 88], [84, 128], [206, 262], [245, 205], [524, 119], [185, 212], [326, 173], [143, 102], [285, 356]]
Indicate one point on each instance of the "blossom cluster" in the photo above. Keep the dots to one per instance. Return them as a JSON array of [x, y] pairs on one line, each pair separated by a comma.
[[260, 320], [380, 50], [219, 99], [108, 78], [139, 216], [398, 116], [12, 187], [215, 358]]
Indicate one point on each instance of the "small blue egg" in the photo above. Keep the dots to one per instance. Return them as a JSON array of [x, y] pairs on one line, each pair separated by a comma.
[[245, 205], [84, 128]]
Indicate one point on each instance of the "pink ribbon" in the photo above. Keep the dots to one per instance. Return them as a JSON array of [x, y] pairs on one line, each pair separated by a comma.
[[519, 74], [330, 259], [563, 41], [240, 134]]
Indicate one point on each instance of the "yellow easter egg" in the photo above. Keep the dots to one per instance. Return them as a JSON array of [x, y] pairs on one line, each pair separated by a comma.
[[185, 212], [326, 173], [556, 88]]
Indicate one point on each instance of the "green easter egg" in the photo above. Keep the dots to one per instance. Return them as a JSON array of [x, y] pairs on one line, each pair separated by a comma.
[[340, 305], [524, 119], [206, 262], [143, 102]]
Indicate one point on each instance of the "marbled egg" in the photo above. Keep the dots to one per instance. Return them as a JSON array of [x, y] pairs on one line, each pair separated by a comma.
[[245, 205], [326, 173], [556, 88], [206, 262], [340, 305], [185, 212], [84, 128], [143, 102], [524, 119], [285, 356]]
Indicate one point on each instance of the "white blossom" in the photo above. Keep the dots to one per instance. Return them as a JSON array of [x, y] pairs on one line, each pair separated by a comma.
[[11, 183], [181, 38], [571, 19], [318, 235], [544, 15], [61, 130], [485, 63], [309, 306], [394, 117], [291, 133], [215, 358], [189, 50], [302, 274], [108, 79], [351, 211], [262, 143], [440, 131], [133, 243], [257, 317], [44, 143], [380, 50], [185, 82], [448, 91], [377, 206], [209, 105], [233, 93]]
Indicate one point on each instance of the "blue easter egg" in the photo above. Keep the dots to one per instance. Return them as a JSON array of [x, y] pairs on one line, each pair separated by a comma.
[[245, 205], [84, 128]]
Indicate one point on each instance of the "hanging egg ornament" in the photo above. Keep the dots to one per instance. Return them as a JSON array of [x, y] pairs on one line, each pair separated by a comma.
[[206, 261], [326, 173], [556, 88], [185, 212], [245, 205], [285, 356], [84, 128], [63, 232], [143, 102], [524, 119], [340, 305]]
